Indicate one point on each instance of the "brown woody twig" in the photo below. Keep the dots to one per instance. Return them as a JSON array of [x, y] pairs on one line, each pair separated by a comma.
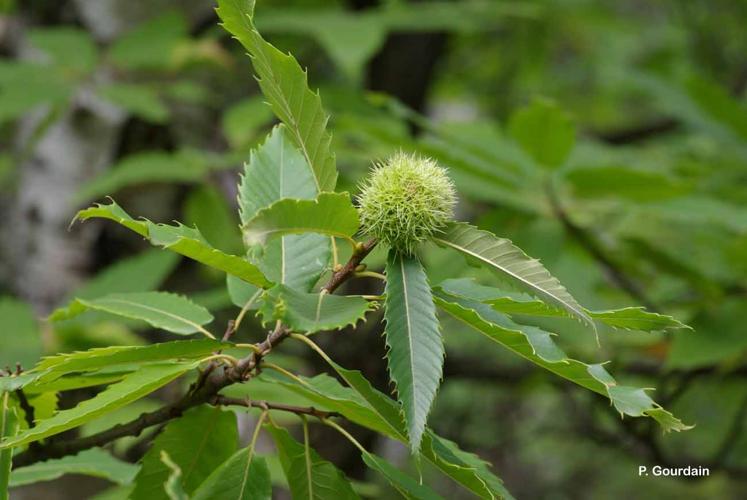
[[267, 405]]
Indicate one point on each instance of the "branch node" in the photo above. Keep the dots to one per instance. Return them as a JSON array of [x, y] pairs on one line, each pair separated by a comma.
[[230, 330]]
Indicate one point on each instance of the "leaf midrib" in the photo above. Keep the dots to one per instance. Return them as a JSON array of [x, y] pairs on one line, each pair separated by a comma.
[[200, 449], [197, 326], [520, 354], [318, 309], [280, 97], [409, 329], [514, 275]]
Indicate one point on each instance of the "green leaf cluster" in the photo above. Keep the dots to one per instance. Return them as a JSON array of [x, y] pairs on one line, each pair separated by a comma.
[[290, 230]]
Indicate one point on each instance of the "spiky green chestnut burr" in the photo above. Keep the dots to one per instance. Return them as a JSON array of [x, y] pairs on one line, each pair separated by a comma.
[[405, 201]]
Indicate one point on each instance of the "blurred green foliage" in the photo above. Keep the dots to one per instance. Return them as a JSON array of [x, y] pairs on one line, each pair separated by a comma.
[[607, 139]]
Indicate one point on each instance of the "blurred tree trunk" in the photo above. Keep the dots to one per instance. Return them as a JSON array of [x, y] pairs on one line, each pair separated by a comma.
[[404, 67], [58, 150], [46, 259]]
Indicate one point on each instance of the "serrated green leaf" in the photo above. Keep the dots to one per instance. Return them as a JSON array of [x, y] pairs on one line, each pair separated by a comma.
[[111, 357], [309, 475], [180, 239], [285, 86], [94, 462], [407, 486], [362, 404], [9, 427], [70, 382], [312, 312], [630, 400], [277, 170], [173, 485], [383, 405], [628, 318], [415, 349], [326, 392], [132, 387], [167, 311], [237, 479], [512, 264], [637, 318], [198, 442], [189, 242], [537, 346], [465, 468], [296, 260], [500, 300], [332, 214], [544, 131]]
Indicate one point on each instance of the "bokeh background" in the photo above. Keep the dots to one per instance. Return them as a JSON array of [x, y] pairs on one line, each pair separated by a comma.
[[152, 103]]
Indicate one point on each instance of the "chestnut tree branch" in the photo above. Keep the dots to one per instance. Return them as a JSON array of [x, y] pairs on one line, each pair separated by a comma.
[[220, 400], [203, 391]]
